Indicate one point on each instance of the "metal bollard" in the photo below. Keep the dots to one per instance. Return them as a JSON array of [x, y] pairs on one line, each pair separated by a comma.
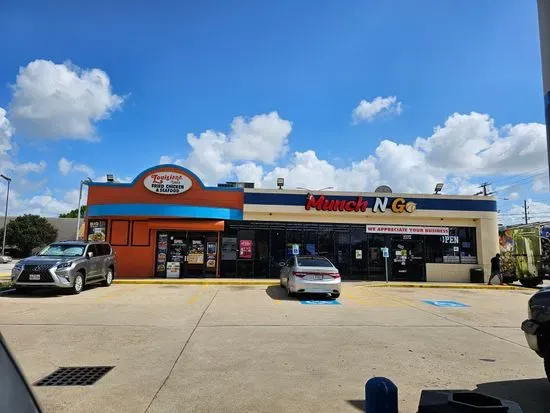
[[380, 396]]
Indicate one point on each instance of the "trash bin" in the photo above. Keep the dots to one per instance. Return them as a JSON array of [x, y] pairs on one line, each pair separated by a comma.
[[435, 401], [477, 275]]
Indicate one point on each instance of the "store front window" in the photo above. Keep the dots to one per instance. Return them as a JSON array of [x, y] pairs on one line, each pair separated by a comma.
[[257, 249]]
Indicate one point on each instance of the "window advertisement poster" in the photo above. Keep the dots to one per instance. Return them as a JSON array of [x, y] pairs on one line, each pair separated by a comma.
[[97, 230], [211, 252], [162, 249], [173, 270], [229, 248], [358, 254], [196, 253], [245, 249]]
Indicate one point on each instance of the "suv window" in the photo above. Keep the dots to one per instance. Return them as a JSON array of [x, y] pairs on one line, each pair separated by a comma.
[[92, 248], [103, 249]]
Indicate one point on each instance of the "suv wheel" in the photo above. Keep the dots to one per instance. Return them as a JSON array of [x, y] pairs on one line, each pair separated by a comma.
[[108, 278], [78, 284]]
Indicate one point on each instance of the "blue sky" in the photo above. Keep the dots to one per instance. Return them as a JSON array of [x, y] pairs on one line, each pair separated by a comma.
[[295, 72]]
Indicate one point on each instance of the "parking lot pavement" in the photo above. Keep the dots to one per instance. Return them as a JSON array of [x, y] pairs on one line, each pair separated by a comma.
[[239, 348]]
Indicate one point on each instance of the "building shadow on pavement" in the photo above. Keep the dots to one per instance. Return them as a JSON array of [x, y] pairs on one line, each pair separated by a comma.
[[532, 395], [278, 293]]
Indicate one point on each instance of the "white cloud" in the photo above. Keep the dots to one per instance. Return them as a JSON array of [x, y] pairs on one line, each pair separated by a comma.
[[165, 159], [367, 111], [66, 166], [6, 131], [249, 172], [24, 168], [465, 147], [213, 154], [59, 101]]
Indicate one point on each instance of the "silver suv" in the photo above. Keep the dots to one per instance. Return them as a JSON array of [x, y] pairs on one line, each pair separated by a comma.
[[67, 264]]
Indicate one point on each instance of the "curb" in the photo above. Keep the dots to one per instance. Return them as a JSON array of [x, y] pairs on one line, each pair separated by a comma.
[[196, 282], [450, 286]]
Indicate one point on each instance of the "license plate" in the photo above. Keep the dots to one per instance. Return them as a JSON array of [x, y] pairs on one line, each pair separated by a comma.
[[34, 277], [317, 277]]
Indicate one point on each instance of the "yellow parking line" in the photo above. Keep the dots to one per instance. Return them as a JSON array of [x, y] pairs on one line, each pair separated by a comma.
[[196, 296]]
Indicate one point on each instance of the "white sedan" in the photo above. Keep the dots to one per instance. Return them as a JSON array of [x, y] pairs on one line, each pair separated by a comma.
[[310, 274]]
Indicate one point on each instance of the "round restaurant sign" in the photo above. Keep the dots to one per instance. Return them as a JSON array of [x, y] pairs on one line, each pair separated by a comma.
[[167, 183]]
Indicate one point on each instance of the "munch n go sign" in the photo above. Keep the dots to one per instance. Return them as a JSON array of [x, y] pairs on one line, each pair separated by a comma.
[[321, 203]]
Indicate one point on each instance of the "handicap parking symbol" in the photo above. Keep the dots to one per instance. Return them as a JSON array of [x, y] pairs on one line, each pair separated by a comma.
[[445, 303], [320, 302]]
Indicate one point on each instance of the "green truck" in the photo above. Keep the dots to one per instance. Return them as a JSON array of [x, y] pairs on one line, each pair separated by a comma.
[[525, 253]]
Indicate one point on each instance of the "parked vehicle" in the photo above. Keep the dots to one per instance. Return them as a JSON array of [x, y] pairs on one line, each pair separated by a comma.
[[310, 274], [5, 259], [525, 253], [69, 264], [537, 326]]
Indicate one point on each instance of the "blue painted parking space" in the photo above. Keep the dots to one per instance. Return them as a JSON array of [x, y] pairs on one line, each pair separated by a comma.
[[320, 302], [445, 303]]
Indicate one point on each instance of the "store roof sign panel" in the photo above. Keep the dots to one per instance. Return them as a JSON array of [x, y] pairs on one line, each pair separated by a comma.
[[167, 183], [406, 230]]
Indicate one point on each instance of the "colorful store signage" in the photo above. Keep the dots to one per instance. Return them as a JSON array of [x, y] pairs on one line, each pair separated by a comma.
[[245, 249], [97, 230], [406, 229], [321, 203], [167, 183]]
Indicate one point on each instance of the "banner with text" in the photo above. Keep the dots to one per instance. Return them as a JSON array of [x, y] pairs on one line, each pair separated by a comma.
[[407, 230]]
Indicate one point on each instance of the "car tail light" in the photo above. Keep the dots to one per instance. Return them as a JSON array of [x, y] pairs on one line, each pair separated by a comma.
[[335, 275], [299, 274]]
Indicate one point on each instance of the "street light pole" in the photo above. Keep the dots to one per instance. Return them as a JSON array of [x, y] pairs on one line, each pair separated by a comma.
[[86, 181], [5, 214]]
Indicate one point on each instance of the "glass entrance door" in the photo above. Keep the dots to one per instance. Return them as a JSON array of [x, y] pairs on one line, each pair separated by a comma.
[[407, 259]]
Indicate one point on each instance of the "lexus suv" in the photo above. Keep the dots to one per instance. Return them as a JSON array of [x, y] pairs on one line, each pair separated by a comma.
[[68, 264]]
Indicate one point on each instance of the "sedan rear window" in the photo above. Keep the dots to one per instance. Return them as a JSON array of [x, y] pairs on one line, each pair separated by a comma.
[[313, 262]]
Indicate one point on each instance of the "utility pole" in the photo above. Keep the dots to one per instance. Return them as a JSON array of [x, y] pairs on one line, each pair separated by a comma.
[[484, 185], [525, 211]]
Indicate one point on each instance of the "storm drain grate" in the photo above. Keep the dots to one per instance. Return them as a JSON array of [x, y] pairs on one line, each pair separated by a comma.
[[74, 376]]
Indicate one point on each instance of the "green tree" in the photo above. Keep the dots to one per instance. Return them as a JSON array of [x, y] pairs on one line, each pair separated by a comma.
[[74, 213], [29, 231]]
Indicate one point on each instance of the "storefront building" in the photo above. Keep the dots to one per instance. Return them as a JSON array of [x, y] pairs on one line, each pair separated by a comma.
[[166, 223]]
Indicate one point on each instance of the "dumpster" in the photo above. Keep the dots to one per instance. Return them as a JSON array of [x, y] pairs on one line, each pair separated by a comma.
[[477, 275]]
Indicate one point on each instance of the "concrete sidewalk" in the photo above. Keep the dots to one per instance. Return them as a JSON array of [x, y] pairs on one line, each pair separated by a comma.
[[5, 278], [274, 281]]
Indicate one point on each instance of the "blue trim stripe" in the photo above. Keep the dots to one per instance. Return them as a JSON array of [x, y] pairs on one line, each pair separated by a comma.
[[421, 203], [159, 210], [181, 168]]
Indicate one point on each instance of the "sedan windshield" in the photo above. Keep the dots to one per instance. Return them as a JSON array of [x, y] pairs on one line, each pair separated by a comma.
[[313, 262], [57, 250]]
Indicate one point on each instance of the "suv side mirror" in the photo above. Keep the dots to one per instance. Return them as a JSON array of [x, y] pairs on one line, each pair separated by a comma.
[[89, 254]]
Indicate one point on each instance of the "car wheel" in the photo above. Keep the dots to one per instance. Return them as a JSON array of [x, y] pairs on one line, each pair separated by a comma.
[[531, 282], [288, 292], [108, 278], [335, 296], [78, 284]]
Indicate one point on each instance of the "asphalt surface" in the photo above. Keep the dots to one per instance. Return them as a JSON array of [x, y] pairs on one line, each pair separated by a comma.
[[251, 349]]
